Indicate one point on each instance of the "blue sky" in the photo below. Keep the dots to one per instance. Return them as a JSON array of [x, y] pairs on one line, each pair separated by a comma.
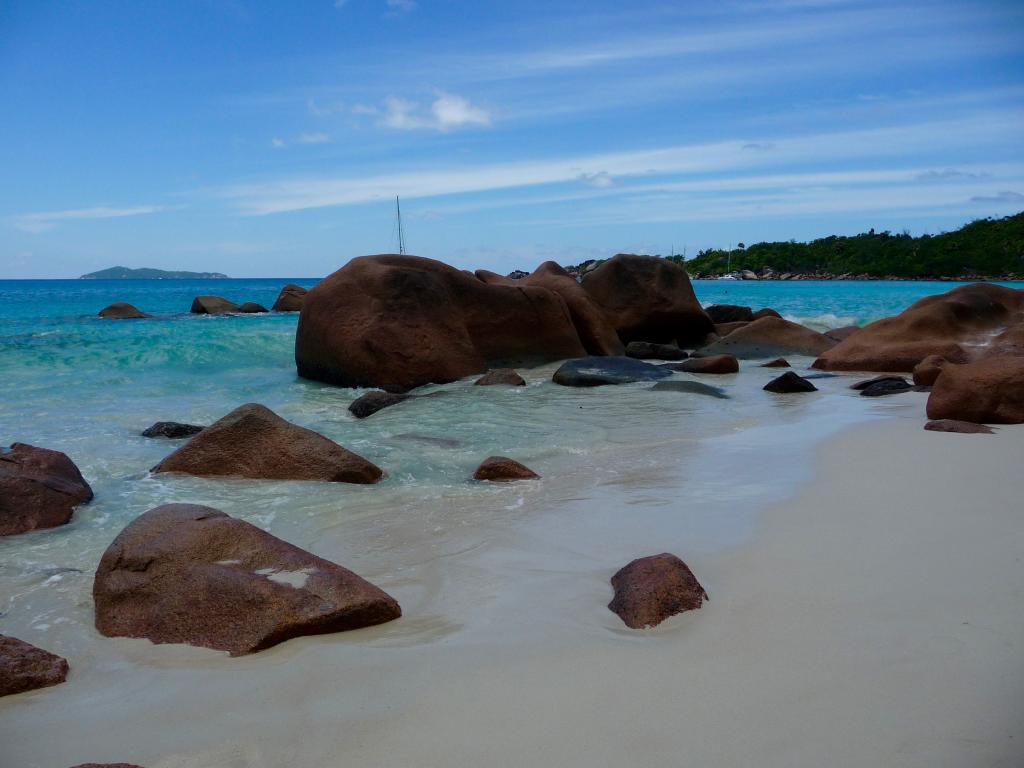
[[269, 139]]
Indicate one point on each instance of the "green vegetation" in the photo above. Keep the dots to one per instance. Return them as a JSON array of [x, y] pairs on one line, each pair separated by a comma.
[[145, 273], [992, 248]]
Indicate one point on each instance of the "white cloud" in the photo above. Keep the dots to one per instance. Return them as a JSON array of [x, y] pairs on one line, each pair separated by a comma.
[[600, 180], [1010, 198], [447, 112], [313, 138], [277, 143], [43, 221], [400, 6]]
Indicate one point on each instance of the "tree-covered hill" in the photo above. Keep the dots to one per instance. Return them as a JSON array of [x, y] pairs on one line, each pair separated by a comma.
[[991, 248]]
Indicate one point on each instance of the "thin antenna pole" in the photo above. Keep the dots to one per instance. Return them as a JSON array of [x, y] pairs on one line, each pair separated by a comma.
[[401, 234]]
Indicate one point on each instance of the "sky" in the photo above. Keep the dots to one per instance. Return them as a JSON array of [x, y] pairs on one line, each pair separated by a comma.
[[271, 138]]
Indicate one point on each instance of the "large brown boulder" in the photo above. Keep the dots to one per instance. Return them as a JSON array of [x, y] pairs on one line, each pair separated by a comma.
[[39, 488], [770, 337], [184, 573], [23, 667], [987, 391], [708, 364], [254, 442], [957, 325], [290, 298], [397, 322], [729, 313], [649, 590], [252, 308], [122, 310], [212, 305], [647, 298]]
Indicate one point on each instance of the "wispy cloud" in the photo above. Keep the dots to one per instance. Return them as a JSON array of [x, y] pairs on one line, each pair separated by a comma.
[[399, 7], [46, 220], [1010, 198], [447, 112], [313, 138]]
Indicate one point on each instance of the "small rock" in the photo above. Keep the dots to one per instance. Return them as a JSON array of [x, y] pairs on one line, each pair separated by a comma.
[[121, 310], [649, 590], [373, 401], [503, 468], [172, 430], [252, 308], [598, 371], [39, 488], [646, 350], [212, 305], [501, 376], [290, 298], [24, 667], [690, 387], [789, 382], [710, 364], [880, 386], [954, 425], [779, 362]]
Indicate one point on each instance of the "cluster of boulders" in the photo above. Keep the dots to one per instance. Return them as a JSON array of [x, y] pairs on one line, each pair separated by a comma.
[[288, 300]]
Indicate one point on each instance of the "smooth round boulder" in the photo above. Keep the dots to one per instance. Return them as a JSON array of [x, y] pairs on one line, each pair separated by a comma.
[[24, 667], [502, 468], [373, 401], [600, 371], [770, 337], [254, 442], [122, 310], [789, 382], [646, 350], [729, 313], [957, 325], [650, 589], [184, 573], [397, 322], [987, 391], [928, 370], [881, 386], [690, 388], [212, 305], [961, 427], [172, 430], [290, 298], [252, 308], [647, 298], [714, 364], [39, 488], [779, 362], [500, 376]]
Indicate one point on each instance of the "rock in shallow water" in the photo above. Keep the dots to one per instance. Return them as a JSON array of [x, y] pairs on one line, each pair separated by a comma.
[[789, 382], [122, 310], [770, 337], [254, 442], [880, 386], [500, 376], [252, 308], [373, 401], [503, 468], [290, 298], [963, 427], [184, 573], [690, 387], [650, 589], [24, 667], [39, 488], [212, 305], [598, 371], [172, 430], [717, 364], [779, 362]]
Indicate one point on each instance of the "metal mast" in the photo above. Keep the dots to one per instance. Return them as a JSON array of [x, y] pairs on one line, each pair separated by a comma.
[[401, 234]]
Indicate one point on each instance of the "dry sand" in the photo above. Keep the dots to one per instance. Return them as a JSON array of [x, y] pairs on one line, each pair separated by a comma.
[[876, 619]]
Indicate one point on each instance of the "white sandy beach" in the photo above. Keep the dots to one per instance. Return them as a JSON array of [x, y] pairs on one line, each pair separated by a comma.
[[874, 619]]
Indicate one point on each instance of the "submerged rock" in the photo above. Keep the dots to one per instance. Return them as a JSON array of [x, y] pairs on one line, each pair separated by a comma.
[[373, 401], [880, 386], [598, 371], [954, 425], [184, 573], [789, 382], [501, 376], [649, 590], [717, 364], [398, 322], [770, 337], [779, 362], [24, 667], [122, 310], [690, 387], [39, 488], [254, 442], [646, 350], [290, 298], [172, 430], [503, 468], [212, 305], [647, 298], [252, 308], [948, 325], [988, 391]]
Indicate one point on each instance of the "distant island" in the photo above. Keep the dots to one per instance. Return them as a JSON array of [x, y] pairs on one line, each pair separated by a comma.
[[985, 249], [146, 273]]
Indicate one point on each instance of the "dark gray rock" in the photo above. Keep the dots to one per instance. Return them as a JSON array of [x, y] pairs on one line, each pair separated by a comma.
[[172, 430], [374, 401], [789, 382], [646, 350], [880, 386], [598, 371], [729, 313], [690, 387]]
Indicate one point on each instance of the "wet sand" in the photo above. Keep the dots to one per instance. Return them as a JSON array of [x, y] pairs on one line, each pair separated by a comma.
[[873, 619]]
